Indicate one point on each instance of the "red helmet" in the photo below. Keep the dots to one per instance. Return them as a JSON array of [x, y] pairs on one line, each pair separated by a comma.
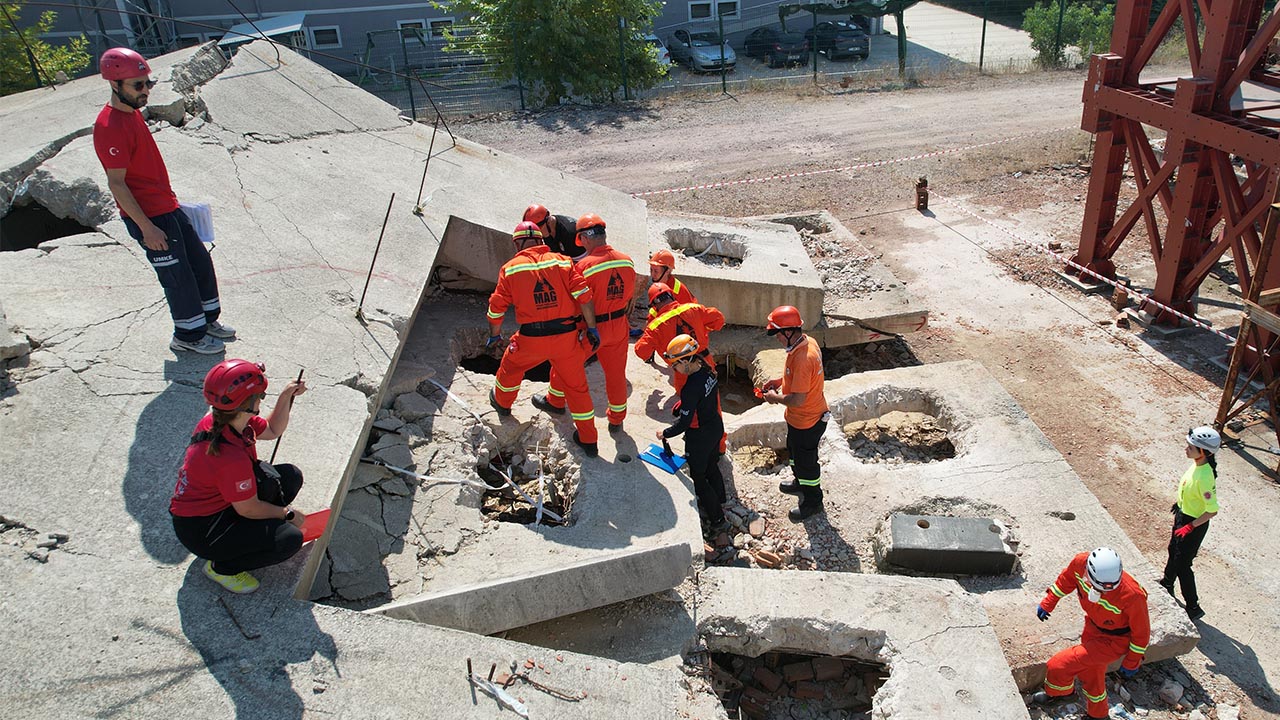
[[656, 291], [784, 317], [122, 63], [525, 231], [664, 258], [535, 214], [590, 220], [231, 382]]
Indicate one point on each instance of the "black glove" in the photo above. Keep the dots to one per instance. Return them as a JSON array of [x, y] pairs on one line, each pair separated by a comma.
[[593, 336], [1174, 508]]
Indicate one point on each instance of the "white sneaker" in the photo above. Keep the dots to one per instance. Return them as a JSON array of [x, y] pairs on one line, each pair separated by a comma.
[[205, 346], [220, 331]]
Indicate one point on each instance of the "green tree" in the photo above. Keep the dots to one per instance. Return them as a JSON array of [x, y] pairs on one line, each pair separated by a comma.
[[16, 72], [1085, 25], [562, 48]]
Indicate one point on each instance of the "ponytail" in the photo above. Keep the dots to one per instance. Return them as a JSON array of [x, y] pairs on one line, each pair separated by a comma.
[[221, 420], [1212, 462]]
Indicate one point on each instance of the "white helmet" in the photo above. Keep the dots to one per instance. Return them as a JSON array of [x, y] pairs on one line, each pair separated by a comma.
[[1104, 569], [1205, 438]]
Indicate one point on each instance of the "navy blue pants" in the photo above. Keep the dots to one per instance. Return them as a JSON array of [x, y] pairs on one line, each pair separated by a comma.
[[186, 274]]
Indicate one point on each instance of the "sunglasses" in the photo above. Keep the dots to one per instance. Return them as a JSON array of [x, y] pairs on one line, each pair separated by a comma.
[[138, 85]]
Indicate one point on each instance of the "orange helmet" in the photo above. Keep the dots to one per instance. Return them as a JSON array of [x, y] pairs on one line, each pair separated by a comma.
[[681, 346], [660, 295], [535, 214], [525, 231], [784, 317], [591, 225], [664, 258]]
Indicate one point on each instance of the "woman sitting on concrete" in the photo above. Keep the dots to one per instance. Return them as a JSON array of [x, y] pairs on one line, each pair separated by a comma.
[[228, 507]]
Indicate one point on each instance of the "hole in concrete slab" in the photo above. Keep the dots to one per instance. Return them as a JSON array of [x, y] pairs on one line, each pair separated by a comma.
[[923, 523], [624, 458], [900, 437], [543, 475], [761, 460], [737, 392], [1062, 515], [813, 224], [784, 685], [711, 248], [488, 365], [840, 361], [26, 226]]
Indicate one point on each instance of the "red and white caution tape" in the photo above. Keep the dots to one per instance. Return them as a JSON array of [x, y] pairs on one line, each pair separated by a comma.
[[1084, 270], [859, 166]]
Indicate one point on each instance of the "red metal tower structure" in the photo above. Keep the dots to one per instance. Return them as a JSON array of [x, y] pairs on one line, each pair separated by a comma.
[[1221, 158]]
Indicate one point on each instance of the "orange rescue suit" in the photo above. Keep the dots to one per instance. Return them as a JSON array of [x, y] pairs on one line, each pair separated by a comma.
[[680, 291], [1116, 626], [611, 275], [547, 293], [675, 319]]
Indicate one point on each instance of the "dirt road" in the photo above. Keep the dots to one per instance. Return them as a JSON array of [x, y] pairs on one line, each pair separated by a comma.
[[1115, 402]]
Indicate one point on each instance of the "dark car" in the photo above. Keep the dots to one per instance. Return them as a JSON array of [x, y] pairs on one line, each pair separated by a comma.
[[776, 47], [840, 40]]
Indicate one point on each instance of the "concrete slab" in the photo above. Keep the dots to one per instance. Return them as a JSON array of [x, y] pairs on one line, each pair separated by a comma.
[[432, 556], [768, 266], [947, 545], [1004, 468], [943, 656]]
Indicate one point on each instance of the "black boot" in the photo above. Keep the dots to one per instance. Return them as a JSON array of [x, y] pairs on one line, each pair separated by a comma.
[[1195, 612], [810, 504], [493, 402], [791, 487], [545, 405], [591, 449], [1168, 586]]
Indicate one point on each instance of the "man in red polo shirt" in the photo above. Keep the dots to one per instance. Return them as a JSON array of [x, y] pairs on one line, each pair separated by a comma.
[[139, 181]]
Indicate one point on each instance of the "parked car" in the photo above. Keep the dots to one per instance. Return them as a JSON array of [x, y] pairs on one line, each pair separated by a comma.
[[701, 50], [659, 50], [840, 40], [776, 47]]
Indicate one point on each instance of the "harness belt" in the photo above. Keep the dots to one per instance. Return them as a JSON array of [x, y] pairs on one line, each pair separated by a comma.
[[620, 312], [1105, 631], [559, 326]]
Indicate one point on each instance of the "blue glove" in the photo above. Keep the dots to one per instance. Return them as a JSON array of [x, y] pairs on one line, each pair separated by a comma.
[[1127, 673], [493, 340], [636, 332], [1042, 613], [593, 335]]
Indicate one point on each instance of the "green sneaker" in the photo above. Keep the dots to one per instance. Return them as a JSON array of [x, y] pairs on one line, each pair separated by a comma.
[[240, 583]]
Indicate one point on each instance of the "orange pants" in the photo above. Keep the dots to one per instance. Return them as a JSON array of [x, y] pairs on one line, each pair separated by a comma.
[[565, 353], [613, 361], [1087, 661]]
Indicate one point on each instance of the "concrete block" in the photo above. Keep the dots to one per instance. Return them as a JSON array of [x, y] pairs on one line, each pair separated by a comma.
[[768, 679], [958, 545], [534, 595]]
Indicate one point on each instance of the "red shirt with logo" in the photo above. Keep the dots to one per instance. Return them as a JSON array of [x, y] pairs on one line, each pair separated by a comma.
[[208, 484], [123, 142]]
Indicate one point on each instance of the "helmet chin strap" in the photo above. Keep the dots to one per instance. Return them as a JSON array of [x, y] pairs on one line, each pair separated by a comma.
[[791, 335]]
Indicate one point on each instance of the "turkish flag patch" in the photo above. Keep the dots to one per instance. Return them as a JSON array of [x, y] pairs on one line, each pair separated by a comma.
[[244, 485]]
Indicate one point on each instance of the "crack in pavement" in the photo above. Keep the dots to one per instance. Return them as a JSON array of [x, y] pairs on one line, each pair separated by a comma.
[[54, 340]]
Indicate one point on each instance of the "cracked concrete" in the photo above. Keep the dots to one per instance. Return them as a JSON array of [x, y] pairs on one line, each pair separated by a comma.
[[298, 167], [1004, 468]]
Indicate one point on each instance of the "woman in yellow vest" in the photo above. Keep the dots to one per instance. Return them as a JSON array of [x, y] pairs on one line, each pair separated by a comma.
[[1197, 504]]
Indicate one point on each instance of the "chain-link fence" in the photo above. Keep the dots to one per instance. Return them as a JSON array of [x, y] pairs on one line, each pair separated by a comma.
[[943, 38]]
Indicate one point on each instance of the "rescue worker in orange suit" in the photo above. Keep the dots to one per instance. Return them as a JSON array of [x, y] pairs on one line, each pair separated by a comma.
[[662, 267], [559, 231], [674, 319], [611, 275], [800, 389], [1116, 626], [702, 424], [547, 292]]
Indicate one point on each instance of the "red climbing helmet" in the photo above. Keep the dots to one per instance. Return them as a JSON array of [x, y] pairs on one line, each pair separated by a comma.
[[231, 382], [121, 63], [525, 231], [784, 317]]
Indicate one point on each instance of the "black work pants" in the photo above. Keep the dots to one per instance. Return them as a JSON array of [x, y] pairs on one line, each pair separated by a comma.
[[802, 446], [1181, 552], [235, 543], [703, 448]]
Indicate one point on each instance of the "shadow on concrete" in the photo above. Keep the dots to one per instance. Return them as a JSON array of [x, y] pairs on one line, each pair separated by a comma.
[[823, 534], [254, 672], [1238, 662], [159, 443]]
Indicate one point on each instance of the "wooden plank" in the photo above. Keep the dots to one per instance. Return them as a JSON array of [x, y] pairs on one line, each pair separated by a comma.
[[1269, 298], [1265, 319]]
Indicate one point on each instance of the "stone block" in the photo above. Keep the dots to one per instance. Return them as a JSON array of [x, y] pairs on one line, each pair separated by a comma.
[[768, 679], [952, 545], [411, 406], [827, 668], [398, 455]]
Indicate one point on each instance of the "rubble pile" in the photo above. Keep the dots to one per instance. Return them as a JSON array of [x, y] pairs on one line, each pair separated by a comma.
[[844, 272], [759, 539], [541, 474], [710, 248], [780, 685], [900, 437], [840, 361], [1158, 691]]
